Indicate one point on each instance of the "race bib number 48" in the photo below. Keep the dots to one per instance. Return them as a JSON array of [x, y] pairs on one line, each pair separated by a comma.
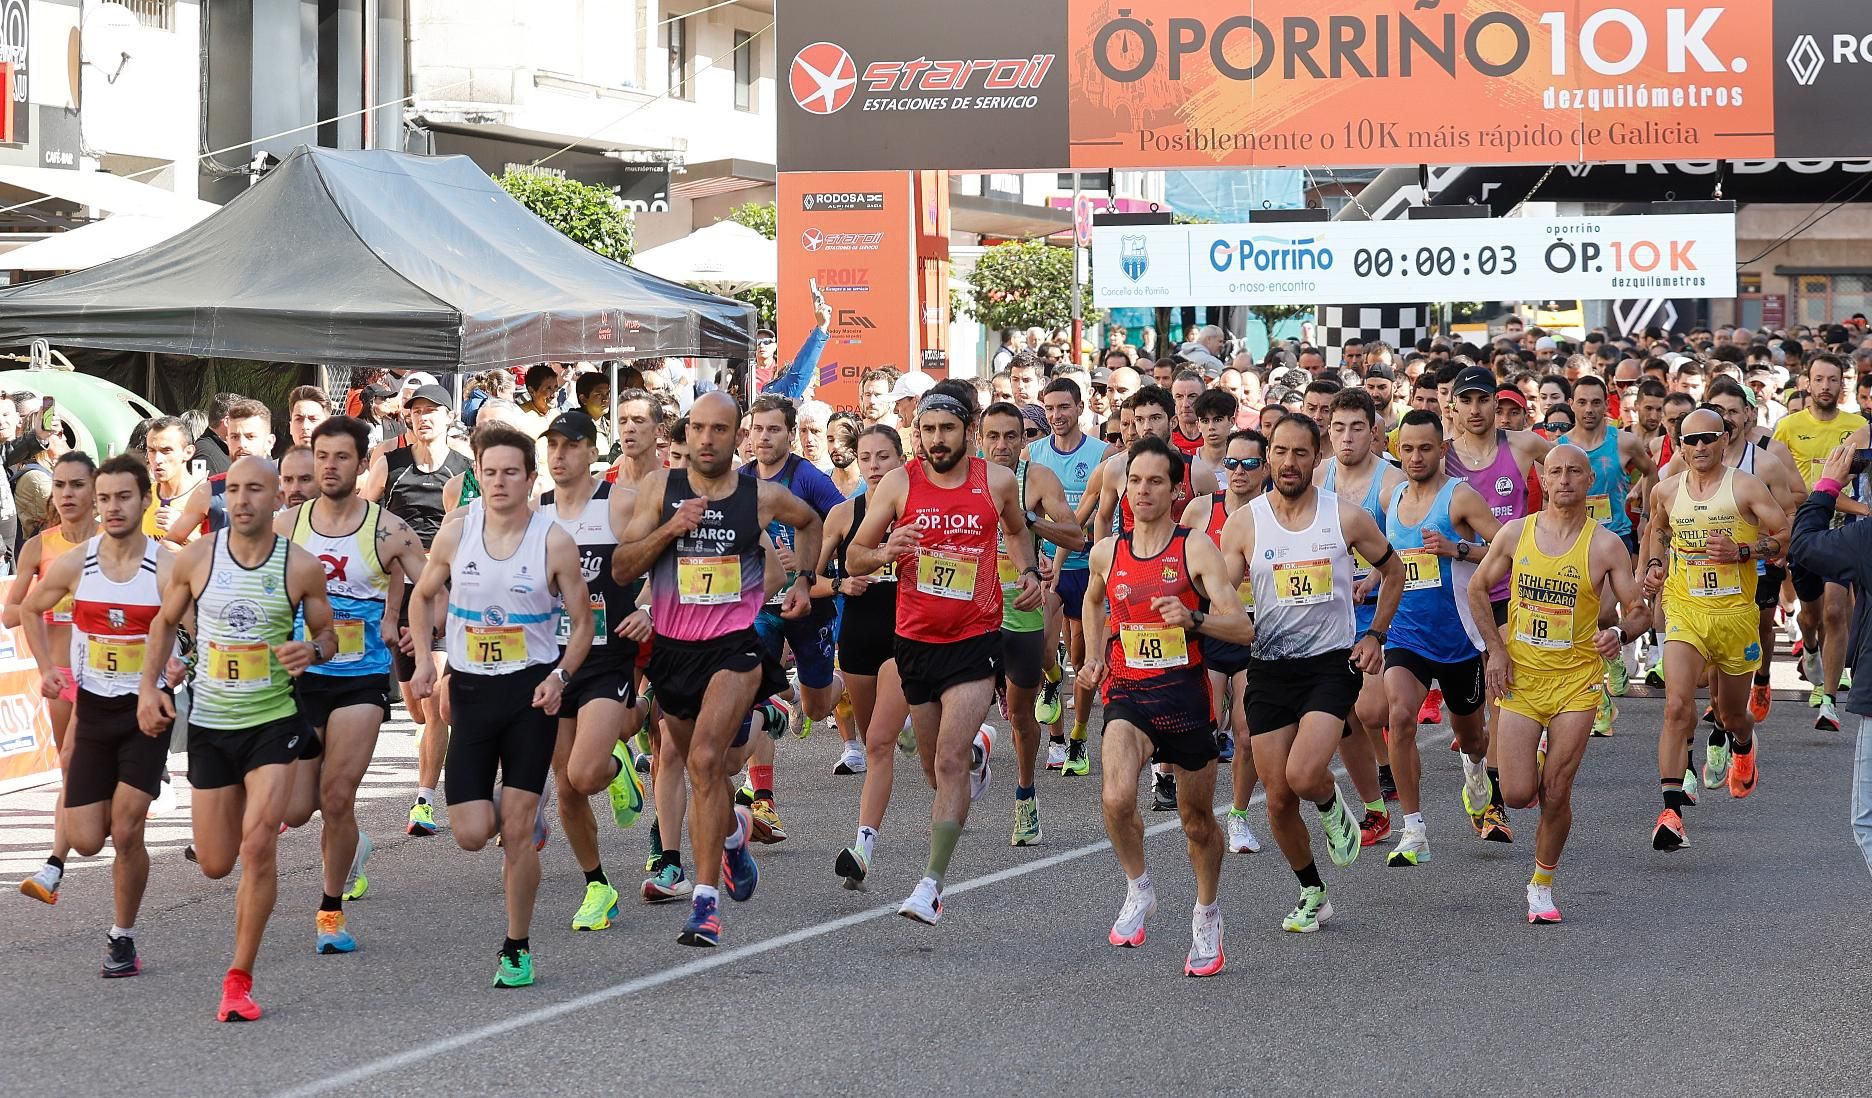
[[1153, 647]]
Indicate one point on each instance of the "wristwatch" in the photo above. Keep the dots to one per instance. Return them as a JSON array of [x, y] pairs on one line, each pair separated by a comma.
[[560, 674], [1462, 550], [810, 577], [1031, 516], [1379, 635], [1198, 617]]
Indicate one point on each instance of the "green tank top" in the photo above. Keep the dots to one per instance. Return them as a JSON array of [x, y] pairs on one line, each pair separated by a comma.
[[244, 612], [1012, 620], [471, 488]]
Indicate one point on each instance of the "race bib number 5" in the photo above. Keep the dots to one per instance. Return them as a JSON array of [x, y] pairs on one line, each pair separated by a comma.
[[1303, 582], [1153, 647], [118, 659], [946, 575]]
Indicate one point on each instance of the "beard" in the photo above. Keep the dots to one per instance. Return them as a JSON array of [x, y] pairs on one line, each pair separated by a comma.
[[948, 460], [841, 460], [1295, 492]]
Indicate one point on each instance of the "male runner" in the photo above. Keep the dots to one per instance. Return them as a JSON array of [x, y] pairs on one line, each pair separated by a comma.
[[1356, 474], [1186, 433], [1161, 576], [1295, 546], [73, 491], [1072, 455], [365, 553], [1549, 673], [1023, 632], [249, 434], [1215, 415], [697, 531], [1440, 526], [245, 585], [408, 482], [167, 447], [941, 510], [1699, 556], [111, 588], [1495, 463], [598, 706], [298, 476], [505, 570], [1245, 470]]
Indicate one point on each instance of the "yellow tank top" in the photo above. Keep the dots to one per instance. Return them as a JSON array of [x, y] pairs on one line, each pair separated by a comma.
[[1553, 609], [1695, 582], [52, 545]]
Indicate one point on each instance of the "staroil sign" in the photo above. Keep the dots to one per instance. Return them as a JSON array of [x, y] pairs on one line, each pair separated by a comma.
[[1290, 83]]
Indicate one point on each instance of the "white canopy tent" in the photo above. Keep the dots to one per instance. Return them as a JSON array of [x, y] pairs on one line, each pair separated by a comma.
[[724, 258]]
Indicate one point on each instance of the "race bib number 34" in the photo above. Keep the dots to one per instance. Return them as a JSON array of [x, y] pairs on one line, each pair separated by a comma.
[[1303, 582]]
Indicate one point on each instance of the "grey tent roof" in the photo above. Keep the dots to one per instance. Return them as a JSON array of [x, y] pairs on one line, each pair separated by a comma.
[[375, 258]]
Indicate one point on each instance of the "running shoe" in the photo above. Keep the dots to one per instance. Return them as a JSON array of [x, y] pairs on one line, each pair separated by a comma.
[[767, 827], [332, 936], [1387, 789], [1475, 790], [1809, 664], [1026, 822], [1241, 837], [356, 883], [1709, 715], [1047, 708], [1602, 720], [666, 883], [1495, 827], [421, 820], [980, 768], [1163, 793], [542, 826], [925, 904], [852, 865], [1654, 678], [906, 738], [237, 1003], [1760, 701], [1374, 828], [852, 760], [1225, 747], [1828, 720], [514, 968], [739, 873], [1540, 907], [1618, 678], [1127, 930], [626, 790], [1312, 910], [1056, 754], [120, 958], [1816, 697], [744, 796], [1715, 765], [1205, 953], [1342, 832], [1413, 848], [1078, 761], [1669, 834], [1742, 772], [1690, 786], [598, 909], [1845, 679], [44, 884], [704, 926], [165, 801], [1431, 711]]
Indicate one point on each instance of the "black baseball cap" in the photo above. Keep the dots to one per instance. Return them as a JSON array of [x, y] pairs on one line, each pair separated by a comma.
[[1474, 379], [435, 394], [576, 426], [1381, 372]]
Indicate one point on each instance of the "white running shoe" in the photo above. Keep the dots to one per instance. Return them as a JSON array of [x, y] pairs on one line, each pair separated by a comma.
[[1056, 754], [925, 904], [979, 769], [1241, 837], [1205, 955], [1127, 931], [853, 760], [1540, 905], [165, 802], [1475, 788], [1413, 848], [1828, 719]]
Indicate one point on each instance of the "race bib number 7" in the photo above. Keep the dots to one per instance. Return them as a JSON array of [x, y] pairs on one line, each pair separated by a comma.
[[708, 581]]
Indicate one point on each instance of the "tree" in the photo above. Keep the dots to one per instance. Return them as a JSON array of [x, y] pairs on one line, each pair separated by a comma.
[[1026, 284], [763, 218], [591, 216]]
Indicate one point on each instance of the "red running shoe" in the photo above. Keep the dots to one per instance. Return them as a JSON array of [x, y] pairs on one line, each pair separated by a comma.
[[237, 1003]]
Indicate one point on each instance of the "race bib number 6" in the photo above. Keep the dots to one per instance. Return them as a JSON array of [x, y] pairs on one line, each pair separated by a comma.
[[238, 667]]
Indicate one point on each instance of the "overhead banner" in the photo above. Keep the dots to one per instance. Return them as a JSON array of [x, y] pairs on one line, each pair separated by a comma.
[[854, 236], [1359, 262], [1318, 83]]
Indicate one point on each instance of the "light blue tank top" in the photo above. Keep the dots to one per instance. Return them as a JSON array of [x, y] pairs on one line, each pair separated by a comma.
[[1431, 620], [1074, 469], [1373, 505]]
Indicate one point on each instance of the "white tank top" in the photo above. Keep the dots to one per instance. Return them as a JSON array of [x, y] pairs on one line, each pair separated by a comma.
[[1302, 583], [111, 623], [502, 614]]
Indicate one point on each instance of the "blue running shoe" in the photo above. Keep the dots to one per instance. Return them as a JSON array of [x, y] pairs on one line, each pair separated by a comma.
[[704, 926], [738, 872], [332, 936]]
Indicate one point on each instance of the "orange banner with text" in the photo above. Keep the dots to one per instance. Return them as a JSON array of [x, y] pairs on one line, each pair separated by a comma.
[[26, 747]]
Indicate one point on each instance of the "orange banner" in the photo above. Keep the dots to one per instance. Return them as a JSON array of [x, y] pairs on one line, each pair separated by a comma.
[[854, 236], [26, 747]]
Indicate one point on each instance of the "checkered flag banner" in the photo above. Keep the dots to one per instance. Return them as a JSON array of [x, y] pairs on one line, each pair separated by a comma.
[[1401, 326]]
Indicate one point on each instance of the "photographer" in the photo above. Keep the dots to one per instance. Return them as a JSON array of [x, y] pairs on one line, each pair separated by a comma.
[[1838, 555]]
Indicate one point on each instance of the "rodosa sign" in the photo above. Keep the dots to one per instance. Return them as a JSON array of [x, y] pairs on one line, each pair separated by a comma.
[[1291, 83]]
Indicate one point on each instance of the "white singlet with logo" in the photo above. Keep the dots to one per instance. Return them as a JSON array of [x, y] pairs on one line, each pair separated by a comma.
[[502, 614], [1302, 583]]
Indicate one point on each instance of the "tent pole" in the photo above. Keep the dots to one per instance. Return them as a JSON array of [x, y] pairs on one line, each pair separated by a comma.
[[611, 368]]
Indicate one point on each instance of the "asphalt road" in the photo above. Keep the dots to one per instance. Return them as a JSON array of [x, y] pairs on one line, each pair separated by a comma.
[[1735, 967]]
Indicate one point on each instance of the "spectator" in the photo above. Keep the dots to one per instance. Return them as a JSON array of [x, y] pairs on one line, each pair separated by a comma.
[[800, 374], [32, 488], [493, 385], [874, 390], [809, 437], [904, 395], [1010, 346], [540, 405], [211, 449], [306, 408], [593, 392]]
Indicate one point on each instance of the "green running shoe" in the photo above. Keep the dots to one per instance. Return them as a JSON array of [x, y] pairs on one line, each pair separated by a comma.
[[1342, 832], [906, 739], [1617, 678], [1027, 822], [514, 969], [1602, 721], [1078, 762], [359, 883], [599, 908], [1047, 705], [626, 790], [1307, 915], [421, 820], [1815, 699], [1715, 765]]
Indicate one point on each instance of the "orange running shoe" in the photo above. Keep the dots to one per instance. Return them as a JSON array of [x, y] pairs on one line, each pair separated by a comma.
[[237, 1003], [1742, 773], [1759, 701], [1669, 833], [1495, 827]]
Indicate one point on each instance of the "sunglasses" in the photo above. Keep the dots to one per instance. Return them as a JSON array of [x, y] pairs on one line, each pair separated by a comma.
[[1114, 437], [1249, 464], [1702, 438], [1559, 425], [1034, 432]]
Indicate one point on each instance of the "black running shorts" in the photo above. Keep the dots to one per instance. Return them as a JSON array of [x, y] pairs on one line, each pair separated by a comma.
[[496, 726], [929, 669], [1464, 688], [1281, 691], [220, 757], [109, 748], [680, 670]]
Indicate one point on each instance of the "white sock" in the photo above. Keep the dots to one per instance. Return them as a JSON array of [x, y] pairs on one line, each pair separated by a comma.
[[705, 892], [867, 837], [1142, 883], [854, 747], [739, 839], [1208, 911], [1413, 820], [425, 795], [122, 931]]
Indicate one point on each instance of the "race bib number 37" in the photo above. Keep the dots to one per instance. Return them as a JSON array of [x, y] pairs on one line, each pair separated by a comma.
[[946, 575]]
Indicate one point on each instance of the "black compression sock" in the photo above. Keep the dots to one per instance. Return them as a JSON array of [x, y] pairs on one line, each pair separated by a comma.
[[1761, 678], [1309, 876], [56, 862], [669, 858], [1744, 748], [1329, 805], [1494, 781], [331, 903], [1384, 776], [513, 946], [1675, 798], [596, 876]]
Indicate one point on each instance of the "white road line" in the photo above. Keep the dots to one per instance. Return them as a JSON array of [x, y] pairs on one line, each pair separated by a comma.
[[714, 961]]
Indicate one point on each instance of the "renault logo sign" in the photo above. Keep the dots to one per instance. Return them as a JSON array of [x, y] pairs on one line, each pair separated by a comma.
[[1805, 60]]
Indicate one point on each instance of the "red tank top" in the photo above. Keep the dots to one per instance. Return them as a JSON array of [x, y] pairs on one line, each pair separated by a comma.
[[1178, 500], [1218, 518], [1142, 646], [948, 589]]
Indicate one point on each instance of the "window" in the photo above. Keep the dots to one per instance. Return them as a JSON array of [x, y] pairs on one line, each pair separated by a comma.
[[677, 43], [1820, 300], [743, 71], [155, 14]]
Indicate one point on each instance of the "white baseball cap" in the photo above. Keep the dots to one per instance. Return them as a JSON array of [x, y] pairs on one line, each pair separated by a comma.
[[414, 381], [911, 386]]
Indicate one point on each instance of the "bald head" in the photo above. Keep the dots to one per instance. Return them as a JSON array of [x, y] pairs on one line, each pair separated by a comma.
[[252, 494], [714, 428]]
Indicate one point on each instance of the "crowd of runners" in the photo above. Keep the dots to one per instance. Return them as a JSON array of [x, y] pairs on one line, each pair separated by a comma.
[[1207, 561]]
